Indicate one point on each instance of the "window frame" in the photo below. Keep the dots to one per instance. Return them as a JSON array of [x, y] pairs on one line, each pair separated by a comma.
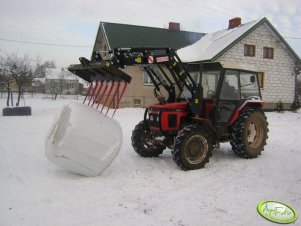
[[260, 78], [247, 51], [268, 53], [137, 102]]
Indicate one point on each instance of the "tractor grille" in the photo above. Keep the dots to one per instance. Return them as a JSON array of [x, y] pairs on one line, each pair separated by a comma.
[[172, 120]]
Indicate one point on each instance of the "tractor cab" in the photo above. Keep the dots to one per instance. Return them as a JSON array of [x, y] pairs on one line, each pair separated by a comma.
[[227, 89], [233, 82]]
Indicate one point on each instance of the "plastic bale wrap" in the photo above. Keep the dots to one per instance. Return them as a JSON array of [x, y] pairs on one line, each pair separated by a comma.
[[83, 141]]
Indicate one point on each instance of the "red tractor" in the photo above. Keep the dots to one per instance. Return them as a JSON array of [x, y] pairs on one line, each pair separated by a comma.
[[199, 105]]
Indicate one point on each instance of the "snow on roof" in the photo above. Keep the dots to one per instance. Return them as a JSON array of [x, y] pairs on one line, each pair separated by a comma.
[[55, 73], [235, 65], [213, 43], [38, 82], [42, 80]]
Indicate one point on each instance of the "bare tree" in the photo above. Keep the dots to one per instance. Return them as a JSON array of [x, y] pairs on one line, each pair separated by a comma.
[[17, 70], [5, 79], [40, 69]]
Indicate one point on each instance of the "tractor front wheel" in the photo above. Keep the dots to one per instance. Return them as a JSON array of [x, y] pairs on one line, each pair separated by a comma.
[[143, 141], [192, 147], [249, 133]]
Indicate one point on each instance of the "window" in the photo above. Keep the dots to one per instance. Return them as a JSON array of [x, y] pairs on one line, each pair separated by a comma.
[[146, 79], [268, 53], [70, 86], [248, 85], [106, 54], [230, 89], [195, 76], [209, 83], [249, 50], [137, 102], [53, 84], [260, 77]]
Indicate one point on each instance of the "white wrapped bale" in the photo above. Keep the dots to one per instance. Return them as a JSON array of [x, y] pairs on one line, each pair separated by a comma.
[[82, 140]]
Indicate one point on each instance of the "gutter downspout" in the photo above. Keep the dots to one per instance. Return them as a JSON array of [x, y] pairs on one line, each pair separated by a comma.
[[297, 70]]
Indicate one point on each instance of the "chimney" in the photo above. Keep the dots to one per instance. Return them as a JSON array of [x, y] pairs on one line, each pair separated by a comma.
[[235, 22], [174, 26]]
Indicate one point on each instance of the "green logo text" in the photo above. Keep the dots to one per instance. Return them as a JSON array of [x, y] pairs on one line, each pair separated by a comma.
[[277, 212]]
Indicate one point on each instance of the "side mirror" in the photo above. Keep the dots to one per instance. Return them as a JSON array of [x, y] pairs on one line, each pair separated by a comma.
[[252, 79]]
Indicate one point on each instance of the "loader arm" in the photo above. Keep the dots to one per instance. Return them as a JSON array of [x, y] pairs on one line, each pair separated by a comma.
[[123, 57], [98, 70]]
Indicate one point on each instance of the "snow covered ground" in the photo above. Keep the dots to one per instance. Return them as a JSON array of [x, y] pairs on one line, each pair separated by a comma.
[[142, 191]]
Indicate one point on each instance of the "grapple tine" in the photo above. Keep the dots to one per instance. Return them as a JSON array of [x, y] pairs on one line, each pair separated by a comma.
[[120, 97], [98, 91], [102, 95], [88, 92], [93, 92], [99, 73], [106, 100], [113, 97]]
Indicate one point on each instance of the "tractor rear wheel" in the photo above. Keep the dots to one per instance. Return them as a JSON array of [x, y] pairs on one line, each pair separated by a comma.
[[143, 141], [192, 147], [249, 133]]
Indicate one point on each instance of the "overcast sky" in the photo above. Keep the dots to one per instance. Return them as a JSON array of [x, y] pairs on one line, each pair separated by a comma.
[[75, 22]]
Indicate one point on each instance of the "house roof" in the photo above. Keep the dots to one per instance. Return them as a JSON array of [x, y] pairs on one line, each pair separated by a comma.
[[55, 73], [124, 35], [38, 81], [213, 45]]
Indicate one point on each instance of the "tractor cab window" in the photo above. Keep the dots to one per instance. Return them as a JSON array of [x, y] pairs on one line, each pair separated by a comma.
[[249, 85], [230, 89], [209, 83], [195, 76]]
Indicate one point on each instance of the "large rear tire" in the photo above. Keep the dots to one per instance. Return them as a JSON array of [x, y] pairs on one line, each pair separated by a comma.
[[144, 142], [192, 147], [249, 133]]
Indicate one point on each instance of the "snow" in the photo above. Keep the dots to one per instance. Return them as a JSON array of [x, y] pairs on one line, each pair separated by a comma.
[[82, 140], [213, 43], [142, 191]]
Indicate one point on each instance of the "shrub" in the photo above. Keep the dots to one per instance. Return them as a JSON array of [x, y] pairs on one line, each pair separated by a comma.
[[295, 106], [279, 107]]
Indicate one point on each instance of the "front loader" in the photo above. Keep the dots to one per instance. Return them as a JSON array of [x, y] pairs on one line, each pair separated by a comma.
[[199, 105]]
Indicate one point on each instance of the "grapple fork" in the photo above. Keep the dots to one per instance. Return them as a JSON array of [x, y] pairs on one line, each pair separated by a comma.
[[107, 83]]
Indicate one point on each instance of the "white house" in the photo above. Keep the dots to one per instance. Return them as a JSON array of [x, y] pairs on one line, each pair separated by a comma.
[[259, 46], [58, 81]]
